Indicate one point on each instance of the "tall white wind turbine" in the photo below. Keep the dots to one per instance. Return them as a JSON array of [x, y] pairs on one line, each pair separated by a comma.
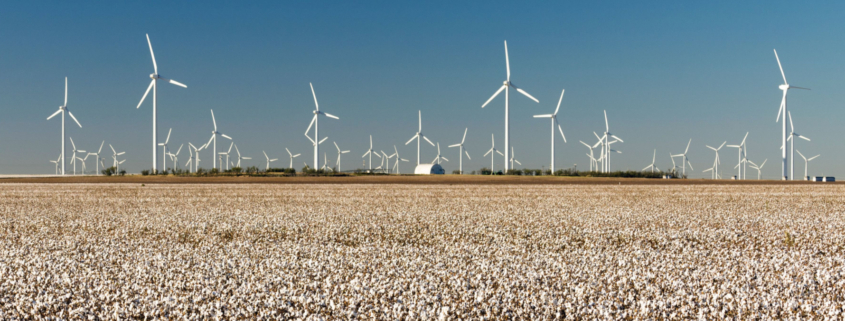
[[97, 157], [461, 152], [175, 157], [438, 158], [239, 155], [154, 87], [339, 152], [370, 153], [653, 158], [592, 159], [513, 158], [63, 109], [398, 159], [226, 153], [553, 118], [791, 139], [740, 149], [164, 150], [758, 168], [785, 87], [419, 135], [292, 156], [493, 155], [214, 134], [684, 159], [114, 156], [57, 163], [506, 87], [315, 121], [717, 161], [73, 155], [266, 167], [807, 162]]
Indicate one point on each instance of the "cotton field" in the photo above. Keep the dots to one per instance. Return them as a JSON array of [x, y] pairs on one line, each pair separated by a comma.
[[320, 252]]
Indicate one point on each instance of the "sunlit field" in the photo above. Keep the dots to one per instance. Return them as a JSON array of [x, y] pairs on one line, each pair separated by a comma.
[[118, 251]]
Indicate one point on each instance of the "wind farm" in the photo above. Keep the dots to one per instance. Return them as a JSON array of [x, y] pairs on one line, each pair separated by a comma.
[[528, 225]]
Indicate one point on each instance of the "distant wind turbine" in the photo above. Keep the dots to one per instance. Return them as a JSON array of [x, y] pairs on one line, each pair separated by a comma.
[[785, 87], [461, 152], [315, 121], [553, 117], [63, 109], [493, 155], [419, 136]]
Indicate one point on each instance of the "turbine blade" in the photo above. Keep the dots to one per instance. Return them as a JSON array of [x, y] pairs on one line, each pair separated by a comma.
[[804, 138], [606, 126], [794, 87], [687, 150], [465, 135], [54, 114], [213, 120], [74, 118], [780, 66], [525, 93], [561, 133], [209, 140], [543, 116], [315, 96], [322, 140], [176, 83], [455, 145], [467, 153], [781, 106], [420, 119], [814, 157], [167, 140], [500, 153], [426, 139], [226, 136], [507, 60], [65, 92], [330, 116], [494, 96], [152, 83], [155, 67], [412, 139], [488, 152]]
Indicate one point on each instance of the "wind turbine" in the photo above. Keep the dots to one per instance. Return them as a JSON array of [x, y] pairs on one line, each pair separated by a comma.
[[239, 155], [316, 123], [713, 174], [227, 155], [592, 159], [553, 118], [513, 158], [461, 152], [73, 156], [438, 158], [57, 163], [292, 156], [758, 168], [339, 152], [717, 161], [493, 156], [740, 149], [396, 165], [506, 87], [62, 109], [80, 159], [190, 162], [792, 135], [164, 150], [684, 159], [604, 141], [97, 156], [785, 87], [806, 162], [154, 86], [674, 166], [653, 158], [214, 134], [370, 152], [175, 157], [114, 156], [266, 167], [418, 136]]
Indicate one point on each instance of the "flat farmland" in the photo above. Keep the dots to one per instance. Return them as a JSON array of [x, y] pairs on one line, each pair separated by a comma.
[[412, 251]]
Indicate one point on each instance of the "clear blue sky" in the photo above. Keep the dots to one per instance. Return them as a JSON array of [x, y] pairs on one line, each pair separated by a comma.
[[665, 73]]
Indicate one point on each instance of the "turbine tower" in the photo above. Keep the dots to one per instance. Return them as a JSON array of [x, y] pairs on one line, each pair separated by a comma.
[[418, 136], [506, 87], [63, 109], [785, 87], [315, 121], [154, 86], [461, 152], [553, 117]]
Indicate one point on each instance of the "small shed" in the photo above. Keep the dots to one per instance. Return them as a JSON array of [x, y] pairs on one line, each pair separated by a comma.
[[429, 169]]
